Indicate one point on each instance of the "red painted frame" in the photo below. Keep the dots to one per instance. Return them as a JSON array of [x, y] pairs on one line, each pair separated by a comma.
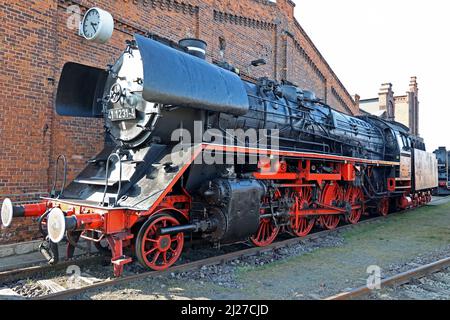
[[116, 223]]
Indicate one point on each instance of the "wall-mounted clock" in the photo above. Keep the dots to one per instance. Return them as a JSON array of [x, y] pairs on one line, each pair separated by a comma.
[[97, 25]]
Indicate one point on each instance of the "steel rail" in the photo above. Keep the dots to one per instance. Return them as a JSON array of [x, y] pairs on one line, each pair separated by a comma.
[[395, 280], [217, 260], [17, 274], [29, 270]]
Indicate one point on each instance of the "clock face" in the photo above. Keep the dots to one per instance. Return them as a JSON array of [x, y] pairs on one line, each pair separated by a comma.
[[91, 24], [97, 25]]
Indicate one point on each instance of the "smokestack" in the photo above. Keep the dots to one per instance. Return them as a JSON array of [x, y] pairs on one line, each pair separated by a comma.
[[195, 47]]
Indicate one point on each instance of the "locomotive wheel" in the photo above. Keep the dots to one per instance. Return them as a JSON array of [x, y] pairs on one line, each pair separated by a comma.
[[330, 222], [415, 201], [383, 207], [267, 231], [266, 234], [331, 195], [301, 226], [355, 197], [155, 251], [423, 199]]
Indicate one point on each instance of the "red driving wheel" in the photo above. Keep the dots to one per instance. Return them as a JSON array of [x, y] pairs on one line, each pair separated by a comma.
[[330, 196], [301, 226], [383, 207], [267, 230], [266, 234], [155, 251], [355, 197]]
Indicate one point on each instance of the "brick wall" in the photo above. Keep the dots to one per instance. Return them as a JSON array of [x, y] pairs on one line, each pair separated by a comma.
[[36, 42]]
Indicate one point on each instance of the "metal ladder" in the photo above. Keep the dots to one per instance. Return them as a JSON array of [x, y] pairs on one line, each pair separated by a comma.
[[53, 192], [112, 155]]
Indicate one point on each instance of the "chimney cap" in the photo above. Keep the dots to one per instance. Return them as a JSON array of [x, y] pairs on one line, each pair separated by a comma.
[[195, 47]]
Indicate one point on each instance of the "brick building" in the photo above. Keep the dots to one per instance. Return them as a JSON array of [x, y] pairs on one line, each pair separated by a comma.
[[36, 41], [403, 109]]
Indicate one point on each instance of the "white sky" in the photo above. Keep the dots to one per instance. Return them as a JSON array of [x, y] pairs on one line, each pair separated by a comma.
[[368, 43]]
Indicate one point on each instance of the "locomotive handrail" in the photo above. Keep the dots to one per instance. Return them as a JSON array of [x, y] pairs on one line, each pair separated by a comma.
[[53, 191], [112, 155], [325, 147]]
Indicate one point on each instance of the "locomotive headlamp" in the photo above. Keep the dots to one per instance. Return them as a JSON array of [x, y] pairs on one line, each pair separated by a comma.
[[56, 225], [7, 212], [97, 25]]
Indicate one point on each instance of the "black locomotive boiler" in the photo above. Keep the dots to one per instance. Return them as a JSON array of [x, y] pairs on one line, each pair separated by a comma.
[[295, 163]]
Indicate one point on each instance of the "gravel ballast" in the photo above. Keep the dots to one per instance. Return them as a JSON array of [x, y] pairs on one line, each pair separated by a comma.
[[313, 269]]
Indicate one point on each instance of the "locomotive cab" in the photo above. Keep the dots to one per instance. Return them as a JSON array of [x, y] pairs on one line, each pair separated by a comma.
[[418, 168]]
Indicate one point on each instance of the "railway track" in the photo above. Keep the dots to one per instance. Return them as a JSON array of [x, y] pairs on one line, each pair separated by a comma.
[[190, 266], [397, 280], [195, 265]]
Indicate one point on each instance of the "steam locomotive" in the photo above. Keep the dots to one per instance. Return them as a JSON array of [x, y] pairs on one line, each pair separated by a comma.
[[443, 157], [283, 161]]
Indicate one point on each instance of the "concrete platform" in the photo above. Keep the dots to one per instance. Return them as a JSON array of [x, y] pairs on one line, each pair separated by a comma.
[[33, 257], [15, 249]]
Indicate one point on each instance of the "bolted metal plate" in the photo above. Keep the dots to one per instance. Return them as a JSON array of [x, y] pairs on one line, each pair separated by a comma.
[[425, 170], [56, 225], [7, 212]]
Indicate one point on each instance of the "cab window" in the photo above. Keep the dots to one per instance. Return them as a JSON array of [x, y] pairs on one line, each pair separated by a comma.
[[404, 142], [407, 141]]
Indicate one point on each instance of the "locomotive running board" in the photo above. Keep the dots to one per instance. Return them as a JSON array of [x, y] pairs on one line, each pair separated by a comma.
[[162, 182], [170, 164], [296, 154]]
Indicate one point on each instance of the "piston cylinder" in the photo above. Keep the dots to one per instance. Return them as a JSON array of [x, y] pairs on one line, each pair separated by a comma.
[[234, 208]]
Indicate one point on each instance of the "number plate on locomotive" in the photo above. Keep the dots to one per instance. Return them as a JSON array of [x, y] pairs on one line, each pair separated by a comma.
[[122, 114]]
